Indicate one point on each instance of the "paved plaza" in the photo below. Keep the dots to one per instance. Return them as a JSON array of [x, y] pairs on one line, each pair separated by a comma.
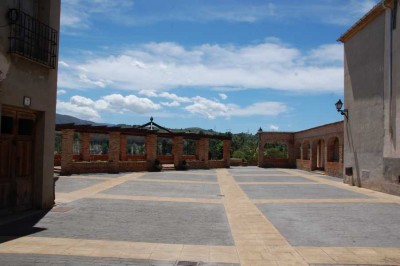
[[237, 216]]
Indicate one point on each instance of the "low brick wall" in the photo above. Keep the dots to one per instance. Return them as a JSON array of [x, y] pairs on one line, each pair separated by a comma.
[[303, 164], [334, 169], [133, 166], [217, 164], [276, 163], [136, 157], [166, 159], [196, 164]]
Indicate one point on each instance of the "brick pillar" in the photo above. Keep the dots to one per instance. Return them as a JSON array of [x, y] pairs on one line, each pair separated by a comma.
[[202, 150], [85, 146], [177, 150], [122, 148], [227, 153], [151, 147], [113, 151], [67, 152]]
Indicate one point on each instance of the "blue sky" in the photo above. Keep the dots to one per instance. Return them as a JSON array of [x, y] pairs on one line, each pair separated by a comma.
[[226, 65]]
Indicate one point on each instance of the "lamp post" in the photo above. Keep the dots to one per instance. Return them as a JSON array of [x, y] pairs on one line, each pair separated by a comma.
[[339, 106]]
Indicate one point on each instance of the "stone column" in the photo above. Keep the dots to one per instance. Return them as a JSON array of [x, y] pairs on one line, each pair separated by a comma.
[[67, 151], [85, 146], [177, 150], [122, 148], [151, 147], [227, 153]]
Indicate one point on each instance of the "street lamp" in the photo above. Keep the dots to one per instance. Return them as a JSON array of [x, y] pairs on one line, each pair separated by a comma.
[[339, 106]]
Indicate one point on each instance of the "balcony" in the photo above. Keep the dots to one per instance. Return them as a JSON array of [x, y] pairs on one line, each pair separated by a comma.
[[32, 39]]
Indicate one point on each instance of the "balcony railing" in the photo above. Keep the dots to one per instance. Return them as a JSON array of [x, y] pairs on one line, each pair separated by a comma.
[[32, 39]]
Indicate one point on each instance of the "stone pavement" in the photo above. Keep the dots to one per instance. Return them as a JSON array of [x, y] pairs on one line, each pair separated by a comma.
[[237, 216]]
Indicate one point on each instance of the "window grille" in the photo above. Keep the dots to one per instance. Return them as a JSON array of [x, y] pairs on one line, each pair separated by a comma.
[[32, 39]]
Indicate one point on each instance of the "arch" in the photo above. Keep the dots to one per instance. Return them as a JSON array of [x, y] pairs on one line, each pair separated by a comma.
[[333, 149], [276, 150], [297, 151], [320, 154], [306, 150]]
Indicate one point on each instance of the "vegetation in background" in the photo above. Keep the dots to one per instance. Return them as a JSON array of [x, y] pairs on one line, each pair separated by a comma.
[[276, 150]]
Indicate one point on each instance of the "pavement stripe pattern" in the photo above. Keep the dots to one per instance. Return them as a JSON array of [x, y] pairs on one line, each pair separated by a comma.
[[256, 240]]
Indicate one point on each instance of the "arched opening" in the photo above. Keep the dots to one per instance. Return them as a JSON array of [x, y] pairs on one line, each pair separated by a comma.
[[321, 157], [276, 150], [333, 150], [306, 150], [297, 151]]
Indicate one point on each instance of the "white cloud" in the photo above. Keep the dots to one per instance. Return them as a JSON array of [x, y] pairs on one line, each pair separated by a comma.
[[120, 103], [269, 65], [223, 96], [208, 108], [148, 93], [171, 104], [60, 92], [261, 108], [86, 108], [274, 127], [213, 109], [82, 112], [174, 97]]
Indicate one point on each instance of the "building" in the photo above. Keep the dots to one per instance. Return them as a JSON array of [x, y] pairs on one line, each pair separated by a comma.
[[372, 99], [319, 148], [28, 86]]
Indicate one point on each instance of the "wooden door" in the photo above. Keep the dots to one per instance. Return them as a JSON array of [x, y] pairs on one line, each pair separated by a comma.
[[16, 157]]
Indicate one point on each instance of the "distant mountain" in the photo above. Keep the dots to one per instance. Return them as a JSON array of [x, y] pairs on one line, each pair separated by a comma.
[[67, 119]]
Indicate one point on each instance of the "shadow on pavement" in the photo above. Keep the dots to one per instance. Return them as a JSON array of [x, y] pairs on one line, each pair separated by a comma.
[[23, 225]]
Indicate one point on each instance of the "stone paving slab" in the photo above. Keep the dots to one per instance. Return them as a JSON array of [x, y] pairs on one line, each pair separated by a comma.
[[181, 176], [300, 191], [250, 172], [164, 189], [337, 225], [66, 184], [141, 221], [271, 179], [46, 260]]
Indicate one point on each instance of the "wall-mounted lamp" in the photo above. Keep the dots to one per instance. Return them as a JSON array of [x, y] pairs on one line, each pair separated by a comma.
[[339, 106]]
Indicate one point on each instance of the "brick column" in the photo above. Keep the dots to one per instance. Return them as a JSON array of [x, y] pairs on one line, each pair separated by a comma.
[[85, 146], [67, 152], [202, 150], [227, 153], [113, 151], [122, 148], [177, 150], [151, 147]]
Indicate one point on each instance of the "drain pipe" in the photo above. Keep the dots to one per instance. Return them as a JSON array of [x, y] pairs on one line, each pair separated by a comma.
[[388, 8]]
